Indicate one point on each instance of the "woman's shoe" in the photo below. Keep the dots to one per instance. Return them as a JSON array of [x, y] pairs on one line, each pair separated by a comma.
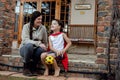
[[26, 70]]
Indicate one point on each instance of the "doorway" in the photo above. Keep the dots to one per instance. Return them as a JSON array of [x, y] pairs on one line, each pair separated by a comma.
[[50, 9]]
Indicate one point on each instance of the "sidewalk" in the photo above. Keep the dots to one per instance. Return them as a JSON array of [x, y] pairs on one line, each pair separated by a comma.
[[16, 74]]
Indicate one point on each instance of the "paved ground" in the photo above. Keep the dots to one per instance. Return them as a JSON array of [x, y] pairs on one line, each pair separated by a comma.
[[16, 74]]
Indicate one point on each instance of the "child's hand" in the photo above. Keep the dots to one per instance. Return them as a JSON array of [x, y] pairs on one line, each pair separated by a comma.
[[60, 52]]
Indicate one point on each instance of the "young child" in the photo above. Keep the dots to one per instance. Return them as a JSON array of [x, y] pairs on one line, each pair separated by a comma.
[[57, 40]]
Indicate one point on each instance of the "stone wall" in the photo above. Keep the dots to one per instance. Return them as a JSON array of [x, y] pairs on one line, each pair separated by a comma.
[[7, 22], [103, 28]]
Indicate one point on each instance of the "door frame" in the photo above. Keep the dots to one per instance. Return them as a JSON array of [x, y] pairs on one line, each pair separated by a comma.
[[39, 2]]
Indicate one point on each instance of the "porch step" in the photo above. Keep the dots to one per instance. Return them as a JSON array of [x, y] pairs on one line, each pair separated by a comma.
[[82, 49], [77, 63], [85, 63], [15, 51]]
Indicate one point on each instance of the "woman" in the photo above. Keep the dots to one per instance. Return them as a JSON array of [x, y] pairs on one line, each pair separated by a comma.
[[34, 42]]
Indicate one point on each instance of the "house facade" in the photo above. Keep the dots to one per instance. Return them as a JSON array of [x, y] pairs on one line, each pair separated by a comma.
[[87, 23]]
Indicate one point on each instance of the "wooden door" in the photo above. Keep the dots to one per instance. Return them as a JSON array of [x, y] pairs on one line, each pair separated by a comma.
[[49, 8]]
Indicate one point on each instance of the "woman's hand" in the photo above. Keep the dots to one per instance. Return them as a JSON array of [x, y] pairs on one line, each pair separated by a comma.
[[43, 46]]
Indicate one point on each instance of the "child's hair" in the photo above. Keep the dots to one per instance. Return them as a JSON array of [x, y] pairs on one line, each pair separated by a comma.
[[60, 23]]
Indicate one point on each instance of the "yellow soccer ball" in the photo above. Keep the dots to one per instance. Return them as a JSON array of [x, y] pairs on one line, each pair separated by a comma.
[[49, 60]]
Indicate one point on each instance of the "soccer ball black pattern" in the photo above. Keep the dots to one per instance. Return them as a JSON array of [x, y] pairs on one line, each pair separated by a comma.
[[49, 60]]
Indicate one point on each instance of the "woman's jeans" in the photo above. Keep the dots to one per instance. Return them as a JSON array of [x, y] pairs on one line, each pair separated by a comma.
[[31, 53]]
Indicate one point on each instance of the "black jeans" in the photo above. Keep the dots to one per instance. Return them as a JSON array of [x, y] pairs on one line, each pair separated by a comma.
[[31, 54]]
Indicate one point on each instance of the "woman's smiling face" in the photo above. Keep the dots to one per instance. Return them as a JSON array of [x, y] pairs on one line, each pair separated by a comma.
[[38, 21]]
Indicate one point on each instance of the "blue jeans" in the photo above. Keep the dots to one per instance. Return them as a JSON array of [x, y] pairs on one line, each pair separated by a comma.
[[31, 53]]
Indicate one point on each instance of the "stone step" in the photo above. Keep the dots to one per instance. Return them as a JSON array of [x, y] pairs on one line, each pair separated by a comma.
[[77, 63], [15, 51], [84, 63]]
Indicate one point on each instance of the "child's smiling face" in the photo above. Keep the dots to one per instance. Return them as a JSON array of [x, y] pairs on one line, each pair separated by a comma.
[[55, 26]]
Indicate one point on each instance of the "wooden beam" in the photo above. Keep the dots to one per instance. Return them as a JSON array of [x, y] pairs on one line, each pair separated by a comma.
[[95, 26], [39, 3], [20, 22], [57, 9]]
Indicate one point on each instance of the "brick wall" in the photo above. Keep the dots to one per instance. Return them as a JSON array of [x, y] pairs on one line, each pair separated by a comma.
[[103, 27], [7, 19]]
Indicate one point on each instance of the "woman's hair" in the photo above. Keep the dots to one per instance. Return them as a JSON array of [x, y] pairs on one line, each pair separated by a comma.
[[34, 15], [60, 23]]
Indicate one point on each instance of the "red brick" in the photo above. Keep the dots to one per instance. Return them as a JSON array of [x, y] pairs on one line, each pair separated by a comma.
[[102, 8], [113, 56], [6, 59], [7, 6], [1, 58], [3, 1], [108, 18], [17, 59], [106, 23], [101, 61], [100, 50], [113, 50], [101, 28], [102, 39], [100, 18], [100, 23]]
